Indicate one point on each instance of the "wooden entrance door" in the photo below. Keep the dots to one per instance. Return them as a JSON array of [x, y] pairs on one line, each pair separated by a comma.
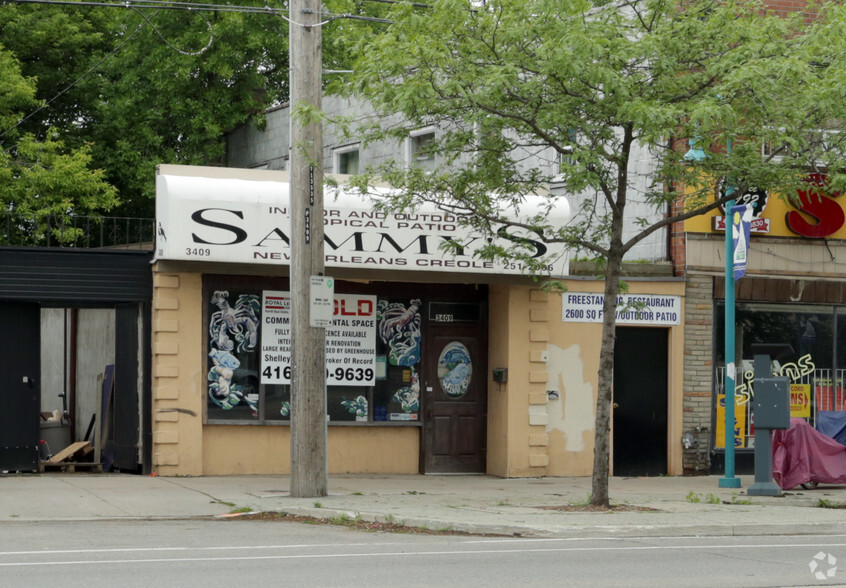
[[455, 396]]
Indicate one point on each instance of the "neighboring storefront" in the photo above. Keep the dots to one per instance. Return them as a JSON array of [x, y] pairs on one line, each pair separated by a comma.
[[436, 362], [790, 305]]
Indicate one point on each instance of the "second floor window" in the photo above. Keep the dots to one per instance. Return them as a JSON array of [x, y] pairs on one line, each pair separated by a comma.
[[346, 160], [420, 149]]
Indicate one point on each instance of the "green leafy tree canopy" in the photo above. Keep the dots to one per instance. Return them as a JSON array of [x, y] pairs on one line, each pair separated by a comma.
[[39, 175], [134, 88]]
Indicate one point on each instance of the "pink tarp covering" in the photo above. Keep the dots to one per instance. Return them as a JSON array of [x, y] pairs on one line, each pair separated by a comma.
[[802, 454]]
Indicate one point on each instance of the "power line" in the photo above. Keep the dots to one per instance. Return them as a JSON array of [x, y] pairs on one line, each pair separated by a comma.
[[160, 4], [414, 4], [194, 7]]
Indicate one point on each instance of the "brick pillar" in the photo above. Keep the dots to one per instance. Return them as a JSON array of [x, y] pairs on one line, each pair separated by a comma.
[[698, 371], [677, 239]]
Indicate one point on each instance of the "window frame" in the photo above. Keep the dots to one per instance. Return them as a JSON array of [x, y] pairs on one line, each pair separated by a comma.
[[412, 141], [338, 152]]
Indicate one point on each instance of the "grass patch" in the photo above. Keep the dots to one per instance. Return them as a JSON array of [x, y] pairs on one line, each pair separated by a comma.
[[696, 498], [343, 519], [584, 502], [736, 500], [825, 503]]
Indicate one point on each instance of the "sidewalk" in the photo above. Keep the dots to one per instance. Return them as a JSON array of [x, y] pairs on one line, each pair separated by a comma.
[[476, 504]]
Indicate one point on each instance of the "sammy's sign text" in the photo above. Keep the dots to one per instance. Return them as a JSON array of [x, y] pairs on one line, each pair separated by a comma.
[[243, 221]]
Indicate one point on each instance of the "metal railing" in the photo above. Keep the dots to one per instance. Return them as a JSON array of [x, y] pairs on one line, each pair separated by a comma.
[[87, 232]]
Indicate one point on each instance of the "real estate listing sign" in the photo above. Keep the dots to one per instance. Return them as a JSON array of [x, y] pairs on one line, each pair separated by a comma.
[[350, 340]]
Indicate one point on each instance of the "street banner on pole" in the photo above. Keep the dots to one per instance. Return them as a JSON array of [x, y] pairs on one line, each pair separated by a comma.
[[741, 220]]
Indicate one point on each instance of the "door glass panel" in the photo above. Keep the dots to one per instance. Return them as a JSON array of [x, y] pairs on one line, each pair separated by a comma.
[[455, 369]]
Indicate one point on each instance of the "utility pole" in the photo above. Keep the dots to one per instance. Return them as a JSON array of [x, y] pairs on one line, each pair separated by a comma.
[[309, 477]]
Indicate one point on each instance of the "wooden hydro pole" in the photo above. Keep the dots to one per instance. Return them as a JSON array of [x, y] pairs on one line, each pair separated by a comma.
[[309, 476]]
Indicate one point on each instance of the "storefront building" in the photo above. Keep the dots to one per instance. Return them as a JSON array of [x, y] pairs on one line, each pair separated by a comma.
[[436, 362], [790, 305]]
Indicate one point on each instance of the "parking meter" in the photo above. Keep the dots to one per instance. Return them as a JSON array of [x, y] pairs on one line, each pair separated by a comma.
[[771, 406]]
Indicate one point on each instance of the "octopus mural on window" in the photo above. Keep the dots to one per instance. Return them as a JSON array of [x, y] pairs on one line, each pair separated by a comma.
[[232, 327], [399, 329], [233, 330]]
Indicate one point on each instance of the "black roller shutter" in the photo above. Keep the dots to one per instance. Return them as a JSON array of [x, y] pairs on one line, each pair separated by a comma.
[[76, 276]]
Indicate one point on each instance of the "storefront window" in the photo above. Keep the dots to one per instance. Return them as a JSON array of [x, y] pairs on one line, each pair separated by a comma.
[[243, 386], [803, 346], [277, 402]]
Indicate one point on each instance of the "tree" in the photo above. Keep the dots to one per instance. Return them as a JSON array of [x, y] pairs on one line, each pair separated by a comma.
[[594, 84], [142, 87], [41, 176]]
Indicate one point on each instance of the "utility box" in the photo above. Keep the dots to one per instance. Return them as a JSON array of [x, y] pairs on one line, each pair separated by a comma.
[[772, 403]]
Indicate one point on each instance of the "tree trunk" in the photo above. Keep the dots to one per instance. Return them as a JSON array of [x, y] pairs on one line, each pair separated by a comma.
[[602, 427]]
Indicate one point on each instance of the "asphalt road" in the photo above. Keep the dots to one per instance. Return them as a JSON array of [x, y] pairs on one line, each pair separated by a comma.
[[212, 553]]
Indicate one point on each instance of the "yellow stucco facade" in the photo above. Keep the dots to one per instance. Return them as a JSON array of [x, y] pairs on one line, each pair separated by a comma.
[[530, 432], [533, 433]]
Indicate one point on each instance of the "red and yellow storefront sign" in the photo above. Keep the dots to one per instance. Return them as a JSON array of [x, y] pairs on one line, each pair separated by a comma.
[[814, 212]]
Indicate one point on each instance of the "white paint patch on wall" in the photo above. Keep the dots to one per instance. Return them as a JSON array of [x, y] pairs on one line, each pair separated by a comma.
[[573, 411]]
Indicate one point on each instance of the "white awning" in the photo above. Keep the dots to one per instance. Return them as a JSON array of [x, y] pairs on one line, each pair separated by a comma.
[[243, 216]]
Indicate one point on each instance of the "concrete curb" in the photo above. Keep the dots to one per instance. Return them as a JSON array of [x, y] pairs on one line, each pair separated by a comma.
[[578, 530]]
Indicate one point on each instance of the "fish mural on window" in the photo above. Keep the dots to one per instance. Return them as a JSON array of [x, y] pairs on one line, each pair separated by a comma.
[[408, 397], [357, 406], [455, 369]]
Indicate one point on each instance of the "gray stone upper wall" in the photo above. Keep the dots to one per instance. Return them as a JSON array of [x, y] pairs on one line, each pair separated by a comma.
[[268, 148]]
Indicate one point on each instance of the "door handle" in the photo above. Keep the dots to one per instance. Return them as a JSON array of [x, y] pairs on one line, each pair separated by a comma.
[[615, 405], [30, 381]]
